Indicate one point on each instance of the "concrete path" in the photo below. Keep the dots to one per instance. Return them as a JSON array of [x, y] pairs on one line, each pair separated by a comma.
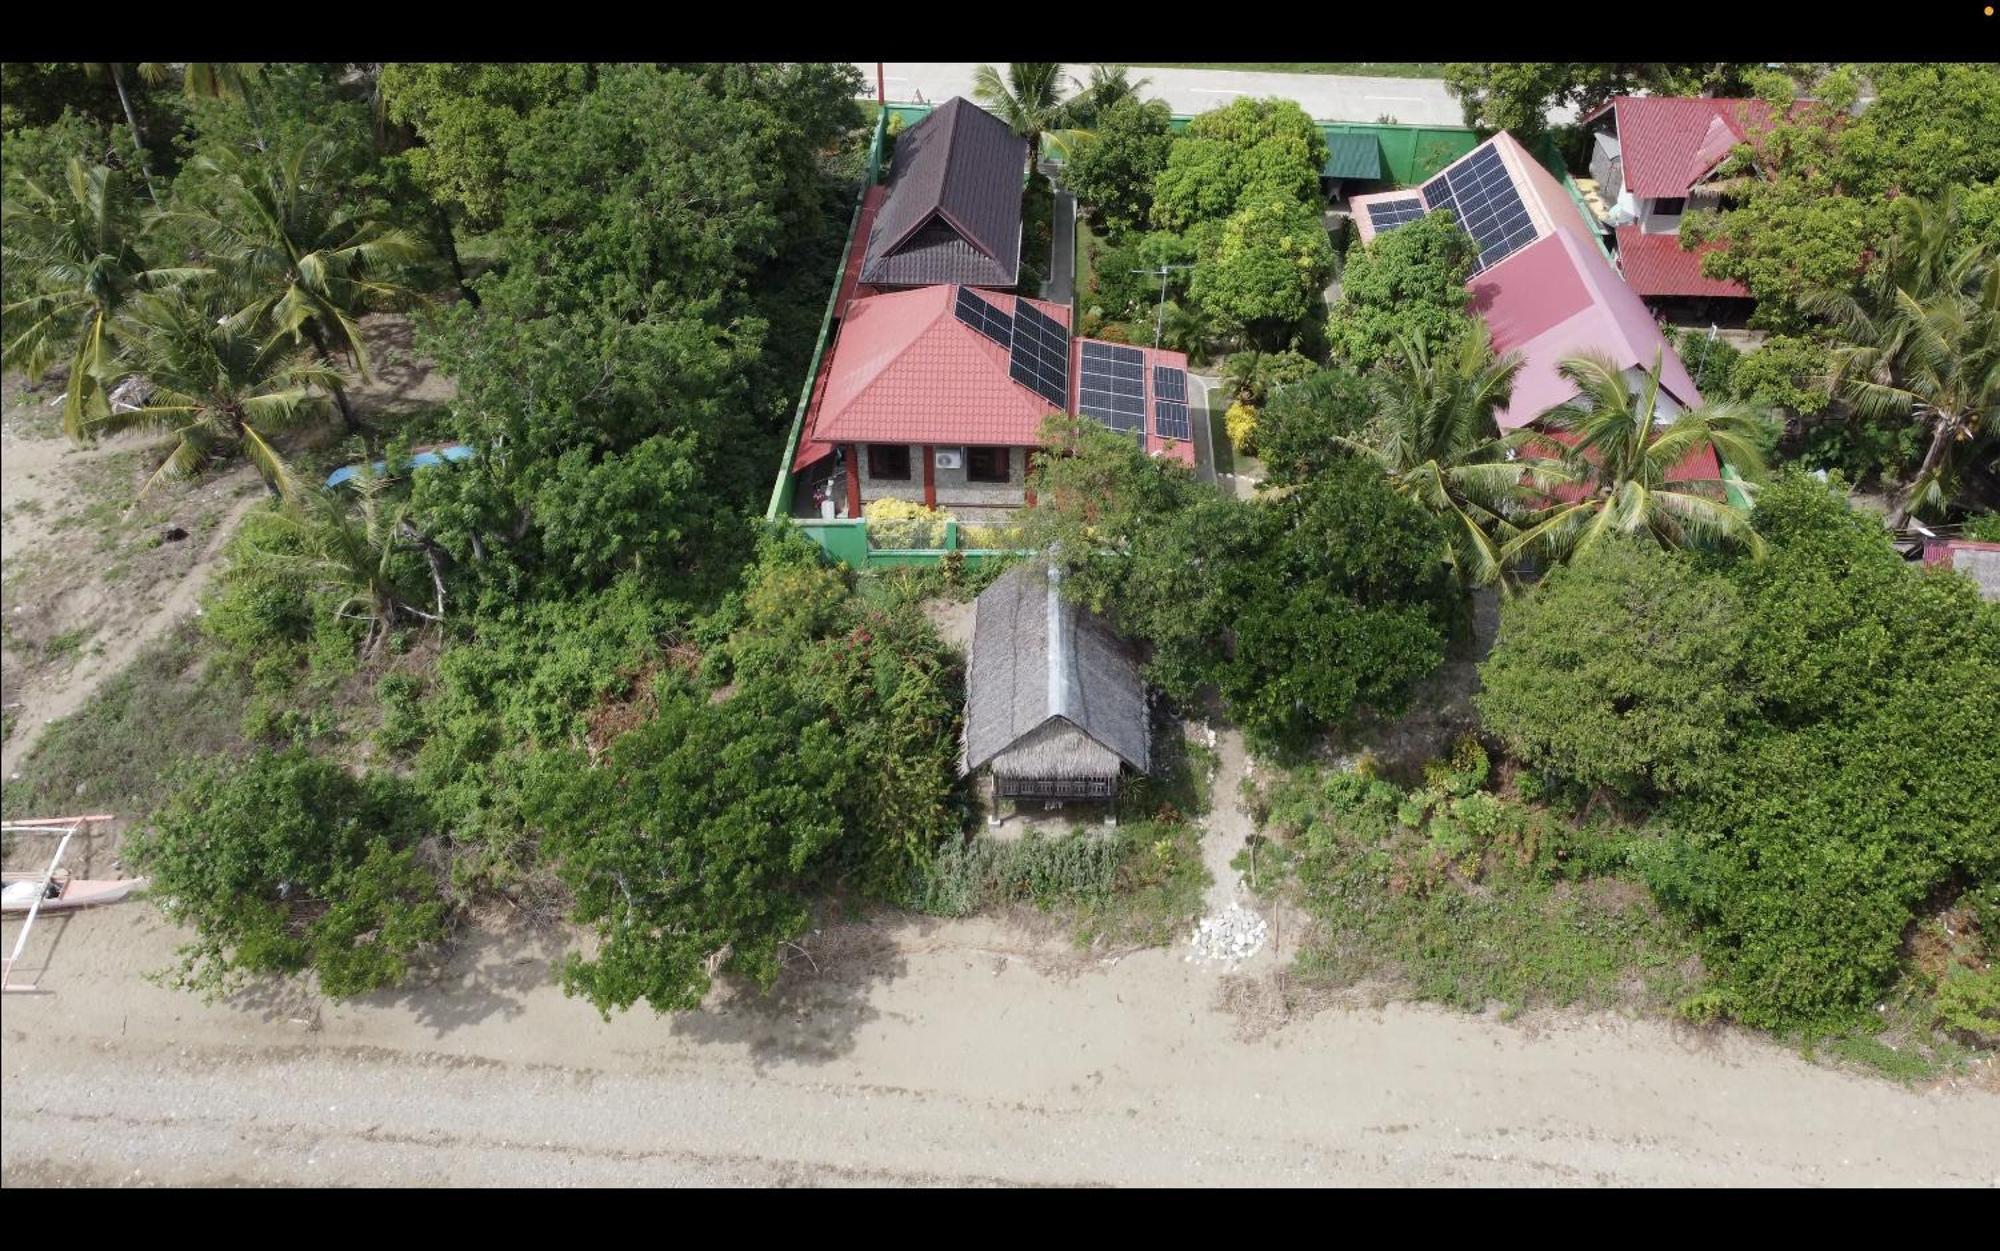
[[1327, 97], [1061, 286]]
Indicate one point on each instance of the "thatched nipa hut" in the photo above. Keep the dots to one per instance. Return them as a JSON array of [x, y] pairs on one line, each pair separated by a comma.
[[1055, 706]]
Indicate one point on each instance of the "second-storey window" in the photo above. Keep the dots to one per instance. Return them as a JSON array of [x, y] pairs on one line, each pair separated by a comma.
[[987, 464], [889, 461]]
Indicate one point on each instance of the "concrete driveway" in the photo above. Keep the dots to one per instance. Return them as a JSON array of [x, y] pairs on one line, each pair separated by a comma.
[[1326, 97]]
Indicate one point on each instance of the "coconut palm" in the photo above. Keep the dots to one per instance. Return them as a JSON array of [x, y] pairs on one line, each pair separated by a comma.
[[1107, 86], [1618, 455], [1437, 437], [363, 555], [101, 71], [1921, 340], [79, 248], [214, 384], [1029, 99], [300, 262]]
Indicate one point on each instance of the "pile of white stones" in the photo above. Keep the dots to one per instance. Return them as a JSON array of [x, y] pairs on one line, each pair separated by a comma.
[[1233, 934]]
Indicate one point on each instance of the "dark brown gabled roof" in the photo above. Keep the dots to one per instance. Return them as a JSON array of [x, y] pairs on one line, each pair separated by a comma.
[[953, 212]]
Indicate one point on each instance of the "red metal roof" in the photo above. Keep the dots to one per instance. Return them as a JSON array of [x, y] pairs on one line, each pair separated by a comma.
[[1670, 143], [1656, 265], [1558, 298], [906, 370], [1700, 472]]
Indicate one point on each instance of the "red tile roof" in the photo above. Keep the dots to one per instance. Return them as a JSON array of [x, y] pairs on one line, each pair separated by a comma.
[[1700, 473], [1668, 143], [906, 370], [1656, 265]]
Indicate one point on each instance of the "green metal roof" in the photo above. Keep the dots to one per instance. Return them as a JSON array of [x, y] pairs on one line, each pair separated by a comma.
[[1353, 156]]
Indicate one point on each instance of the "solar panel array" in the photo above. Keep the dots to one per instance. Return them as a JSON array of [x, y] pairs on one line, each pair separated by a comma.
[[1484, 200], [1389, 214], [1170, 408], [1039, 356], [1112, 386], [984, 318]]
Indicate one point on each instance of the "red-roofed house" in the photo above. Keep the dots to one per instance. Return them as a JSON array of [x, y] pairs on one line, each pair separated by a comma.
[[1653, 159], [1543, 287], [922, 404]]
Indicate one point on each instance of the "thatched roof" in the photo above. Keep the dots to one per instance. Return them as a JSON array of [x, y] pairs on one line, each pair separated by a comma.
[[1051, 690]]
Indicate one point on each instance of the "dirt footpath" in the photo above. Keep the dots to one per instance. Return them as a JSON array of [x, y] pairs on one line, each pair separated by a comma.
[[920, 1053]]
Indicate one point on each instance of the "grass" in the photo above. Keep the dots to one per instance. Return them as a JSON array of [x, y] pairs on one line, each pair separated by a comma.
[[117, 751], [1363, 69], [68, 643], [1872, 1053], [1087, 244]]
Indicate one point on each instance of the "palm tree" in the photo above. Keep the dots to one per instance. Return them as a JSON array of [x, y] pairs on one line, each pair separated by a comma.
[[81, 253], [304, 266], [1921, 340], [216, 386], [1618, 455], [98, 72], [362, 556], [1107, 86], [1436, 435], [1029, 100]]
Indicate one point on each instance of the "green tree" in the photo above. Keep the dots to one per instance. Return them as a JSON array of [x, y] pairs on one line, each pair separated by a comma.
[[1410, 281], [1620, 461], [79, 253], [1304, 425], [1114, 169], [1621, 670], [1438, 439], [1246, 151], [1922, 343], [1029, 98], [1109, 87], [218, 388], [287, 863], [1265, 268], [1858, 794], [469, 117]]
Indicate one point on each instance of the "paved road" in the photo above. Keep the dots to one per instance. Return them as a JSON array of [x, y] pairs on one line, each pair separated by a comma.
[[1327, 97]]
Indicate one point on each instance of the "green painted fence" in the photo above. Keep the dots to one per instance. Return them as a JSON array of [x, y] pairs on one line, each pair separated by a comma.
[[846, 541]]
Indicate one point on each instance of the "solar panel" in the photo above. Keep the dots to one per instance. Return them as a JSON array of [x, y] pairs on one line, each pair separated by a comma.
[[1486, 203], [1111, 386], [1170, 420], [1039, 356], [984, 318], [1389, 214], [1170, 383]]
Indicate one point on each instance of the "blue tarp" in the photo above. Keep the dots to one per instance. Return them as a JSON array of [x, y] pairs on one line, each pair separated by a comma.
[[453, 451]]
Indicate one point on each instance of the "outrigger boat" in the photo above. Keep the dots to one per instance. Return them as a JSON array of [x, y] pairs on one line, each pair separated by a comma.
[[54, 889]]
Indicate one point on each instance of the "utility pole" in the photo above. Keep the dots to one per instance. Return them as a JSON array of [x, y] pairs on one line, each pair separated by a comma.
[[881, 85], [1160, 320]]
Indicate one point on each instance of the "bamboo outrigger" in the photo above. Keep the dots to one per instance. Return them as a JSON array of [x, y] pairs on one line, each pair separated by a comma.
[[54, 889]]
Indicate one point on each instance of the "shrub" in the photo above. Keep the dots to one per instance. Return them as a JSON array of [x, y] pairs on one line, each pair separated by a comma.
[[1968, 1001], [894, 523], [1241, 423], [284, 863]]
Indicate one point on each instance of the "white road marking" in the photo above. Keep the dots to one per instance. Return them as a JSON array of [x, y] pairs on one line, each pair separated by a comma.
[[1404, 99]]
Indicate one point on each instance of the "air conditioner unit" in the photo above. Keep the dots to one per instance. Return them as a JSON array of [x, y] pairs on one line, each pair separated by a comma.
[[952, 459]]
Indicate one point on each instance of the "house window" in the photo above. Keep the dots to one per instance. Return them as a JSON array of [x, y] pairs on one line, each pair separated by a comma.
[[987, 464], [889, 462], [1669, 207]]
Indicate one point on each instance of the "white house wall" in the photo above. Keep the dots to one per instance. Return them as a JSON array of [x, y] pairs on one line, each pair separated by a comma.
[[953, 491]]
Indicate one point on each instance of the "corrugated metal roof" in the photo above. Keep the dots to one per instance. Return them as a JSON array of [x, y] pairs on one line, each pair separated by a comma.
[[1662, 136], [1559, 297], [906, 370], [1039, 665], [1353, 156], [1656, 265], [953, 208]]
